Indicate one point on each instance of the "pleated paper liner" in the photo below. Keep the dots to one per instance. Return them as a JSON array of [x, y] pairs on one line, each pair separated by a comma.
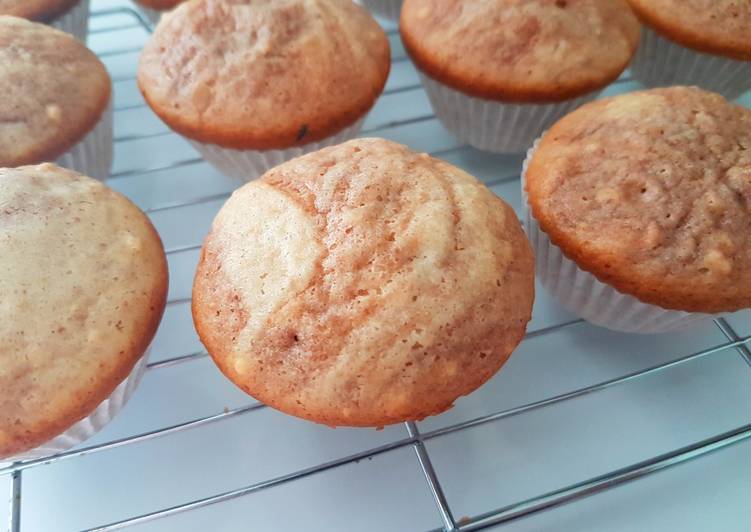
[[660, 62], [581, 293]]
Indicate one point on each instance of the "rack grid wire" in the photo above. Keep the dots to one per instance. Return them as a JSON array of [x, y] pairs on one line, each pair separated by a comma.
[[111, 34]]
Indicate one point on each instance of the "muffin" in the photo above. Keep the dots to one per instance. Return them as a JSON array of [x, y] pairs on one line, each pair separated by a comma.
[[83, 289], [56, 100], [363, 285], [70, 16], [388, 9], [254, 83], [154, 9], [637, 209], [500, 72], [695, 42]]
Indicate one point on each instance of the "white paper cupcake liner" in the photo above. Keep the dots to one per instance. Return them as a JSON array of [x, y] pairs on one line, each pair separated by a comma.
[[581, 293], [495, 126], [75, 21], [247, 165], [92, 156], [94, 422], [390, 9], [660, 62]]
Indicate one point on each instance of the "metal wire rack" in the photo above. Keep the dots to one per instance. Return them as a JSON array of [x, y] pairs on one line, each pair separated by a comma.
[[155, 155]]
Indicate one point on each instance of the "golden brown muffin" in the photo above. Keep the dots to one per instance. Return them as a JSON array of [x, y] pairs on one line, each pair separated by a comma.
[[521, 50], [649, 192], [363, 285], [39, 10], [83, 288], [719, 27], [160, 5], [54, 91], [264, 74]]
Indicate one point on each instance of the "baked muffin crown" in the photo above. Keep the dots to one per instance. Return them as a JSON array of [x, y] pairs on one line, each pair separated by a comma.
[[39, 10], [264, 74], [719, 27], [521, 50], [54, 91], [649, 192], [363, 285], [83, 288]]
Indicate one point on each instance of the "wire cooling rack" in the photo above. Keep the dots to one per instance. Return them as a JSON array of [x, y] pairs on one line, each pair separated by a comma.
[[577, 411]]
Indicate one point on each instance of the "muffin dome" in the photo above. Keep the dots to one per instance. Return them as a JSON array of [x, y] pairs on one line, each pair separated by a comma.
[[521, 50], [264, 74], [83, 288], [719, 27], [54, 90], [363, 285], [648, 191]]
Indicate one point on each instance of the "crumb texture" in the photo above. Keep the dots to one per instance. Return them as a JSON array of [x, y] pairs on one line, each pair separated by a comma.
[[650, 192], [264, 74], [83, 287], [53, 92], [713, 26], [521, 50], [364, 284]]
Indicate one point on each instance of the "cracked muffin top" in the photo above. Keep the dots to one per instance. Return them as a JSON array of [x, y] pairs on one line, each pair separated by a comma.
[[264, 74], [82, 291], [521, 50], [53, 91], [363, 285], [649, 191], [719, 27]]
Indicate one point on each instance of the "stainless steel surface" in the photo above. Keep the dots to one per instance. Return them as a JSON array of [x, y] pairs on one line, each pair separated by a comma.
[[191, 444], [15, 501], [449, 524]]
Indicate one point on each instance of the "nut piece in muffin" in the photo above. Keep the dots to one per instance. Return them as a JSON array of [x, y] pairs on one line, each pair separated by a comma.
[[55, 100], [648, 192], [499, 72], [83, 289], [363, 285], [253, 83], [70, 16], [695, 42]]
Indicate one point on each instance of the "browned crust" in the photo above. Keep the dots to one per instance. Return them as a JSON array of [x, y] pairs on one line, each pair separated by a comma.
[[75, 135], [415, 413], [682, 35], [300, 340], [42, 11], [324, 123], [81, 406], [214, 295], [602, 267], [492, 91], [500, 90], [613, 268], [294, 135], [51, 150], [159, 4]]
